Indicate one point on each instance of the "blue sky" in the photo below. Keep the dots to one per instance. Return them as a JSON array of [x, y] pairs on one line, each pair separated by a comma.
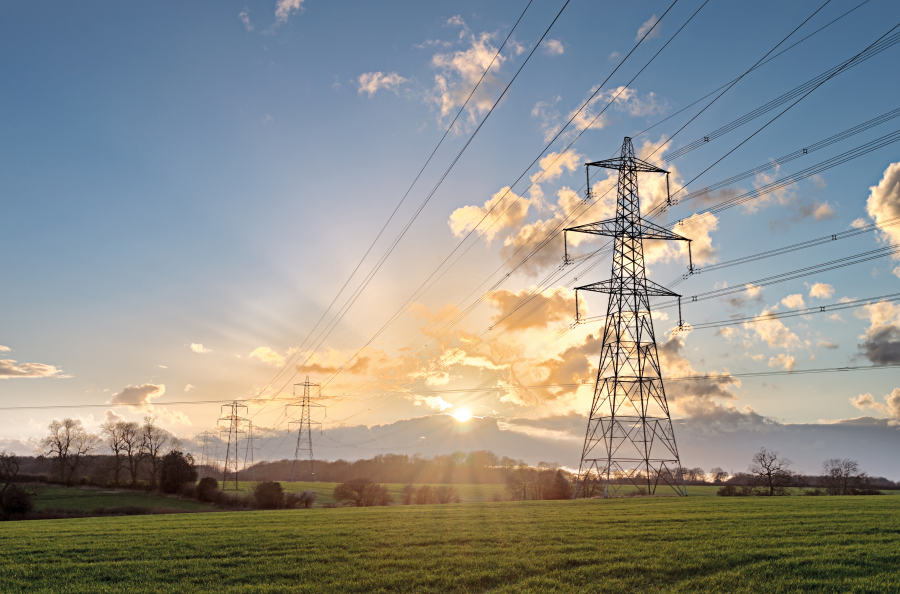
[[210, 175]]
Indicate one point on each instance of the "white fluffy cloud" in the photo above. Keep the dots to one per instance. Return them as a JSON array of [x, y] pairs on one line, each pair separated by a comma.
[[199, 348], [821, 291], [784, 361], [772, 331], [189, 388], [646, 27], [372, 82], [890, 407], [553, 47], [884, 204], [793, 301], [502, 211], [267, 355], [9, 368], [460, 71], [284, 9], [4, 349], [138, 395]]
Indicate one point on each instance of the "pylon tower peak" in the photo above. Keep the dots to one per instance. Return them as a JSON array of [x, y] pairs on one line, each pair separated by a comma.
[[629, 438]]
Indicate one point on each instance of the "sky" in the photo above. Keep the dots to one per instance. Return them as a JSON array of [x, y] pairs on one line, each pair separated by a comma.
[[188, 187]]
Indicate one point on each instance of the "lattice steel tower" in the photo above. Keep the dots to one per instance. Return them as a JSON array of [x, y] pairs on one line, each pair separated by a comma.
[[234, 420], [629, 438], [206, 459], [306, 401]]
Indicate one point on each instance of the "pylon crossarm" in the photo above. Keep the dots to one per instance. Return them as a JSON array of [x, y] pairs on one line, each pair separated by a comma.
[[615, 286], [632, 163], [639, 229]]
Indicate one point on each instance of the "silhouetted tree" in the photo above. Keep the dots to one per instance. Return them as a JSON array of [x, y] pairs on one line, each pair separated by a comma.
[[176, 469], [268, 495], [132, 447], [113, 434], [207, 489], [717, 475], [771, 472], [842, 477], [70, 444], [154, 439]]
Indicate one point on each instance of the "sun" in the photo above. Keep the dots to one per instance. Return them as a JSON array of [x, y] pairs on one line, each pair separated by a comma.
[[462, 415]]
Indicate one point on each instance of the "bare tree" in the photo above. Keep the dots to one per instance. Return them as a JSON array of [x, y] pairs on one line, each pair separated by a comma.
[[717, 475], [842, 477], [695, 475], [113, 432], [771, 471], [70, 444], [133, 448], [9, 469], [154, 439]]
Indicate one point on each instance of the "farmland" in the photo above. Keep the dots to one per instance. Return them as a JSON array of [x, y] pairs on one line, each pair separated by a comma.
[[755, 544]]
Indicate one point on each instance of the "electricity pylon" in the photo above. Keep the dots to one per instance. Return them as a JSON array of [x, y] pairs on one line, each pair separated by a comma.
[[206, 459], [306, 402], [234, 420], [248, 452], [629, 438]]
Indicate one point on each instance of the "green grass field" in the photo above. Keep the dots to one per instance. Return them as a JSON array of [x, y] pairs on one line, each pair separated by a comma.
[[467, 493], [86, 499], [697, 544]]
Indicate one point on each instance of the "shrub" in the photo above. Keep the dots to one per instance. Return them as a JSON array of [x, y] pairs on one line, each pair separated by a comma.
[[231, 501], [362, 493], [446, 494], [813, 492], [176, 470], [301, 500], [424, 495], [268, 495], [407, 495], [15, 501], [207, 489]]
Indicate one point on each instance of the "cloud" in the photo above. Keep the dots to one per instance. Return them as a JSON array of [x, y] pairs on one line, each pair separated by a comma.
[[890, 407], [772, 331], [827, 344], [4, 349], [787, 196], [284, 9], [267, 355], [504, 210], [881, 344], [110, 416], [542, 310], [821, 291], [245, 18], [138, 395], [435, 402], [199, 348], [884, 204], [794, 301], [9, 369], [784, 361], [646, 27], [189, 388], [460, 71], [372, 82], [553, 47]]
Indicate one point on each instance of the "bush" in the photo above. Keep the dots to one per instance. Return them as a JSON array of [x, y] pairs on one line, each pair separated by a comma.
[[362, 493], [207, 489], [301, 500], [424, 495], [15, 501], [176, 470], [446, 494], [813, 492], [407, 495], [231, 501], [268, 495]]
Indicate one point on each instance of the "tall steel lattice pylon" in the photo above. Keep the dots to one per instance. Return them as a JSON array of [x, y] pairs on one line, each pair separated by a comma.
[[248, 452], [233, 419], [306, 400], [206, 459], [629, 438]]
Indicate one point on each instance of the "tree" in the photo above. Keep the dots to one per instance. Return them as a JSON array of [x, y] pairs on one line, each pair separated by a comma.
[[717, 475], [176, 470], [771, 471], [446, 494], [154, 438], [70, 444], [268, 495], [842, 477], [207, 489], [517, 483], [559, 487], [695, 475], [407, 495], [362, 493], [113, 433], [9, 469], [133, 448], [424, 495]]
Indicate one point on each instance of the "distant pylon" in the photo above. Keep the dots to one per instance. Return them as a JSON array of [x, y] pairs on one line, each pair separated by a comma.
[[248, 452], [629, 438], [306, 401], [233, 419], [206, 456]]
